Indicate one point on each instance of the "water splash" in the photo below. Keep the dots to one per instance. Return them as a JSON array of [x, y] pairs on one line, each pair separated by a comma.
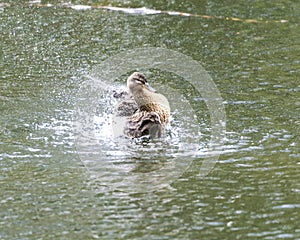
[[120, 163]]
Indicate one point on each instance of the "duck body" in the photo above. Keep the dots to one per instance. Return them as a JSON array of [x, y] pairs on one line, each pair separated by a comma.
[[147, 112]]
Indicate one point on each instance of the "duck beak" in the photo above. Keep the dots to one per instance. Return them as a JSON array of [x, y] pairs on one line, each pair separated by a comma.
[[149, 87]]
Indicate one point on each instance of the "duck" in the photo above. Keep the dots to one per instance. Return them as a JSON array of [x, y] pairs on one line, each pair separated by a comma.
[[147, 112]]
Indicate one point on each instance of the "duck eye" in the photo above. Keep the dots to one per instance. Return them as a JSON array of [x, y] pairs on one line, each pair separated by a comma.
[[140, 80]]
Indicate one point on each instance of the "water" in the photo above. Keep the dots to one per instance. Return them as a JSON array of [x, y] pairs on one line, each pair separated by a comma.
[[49, 54]]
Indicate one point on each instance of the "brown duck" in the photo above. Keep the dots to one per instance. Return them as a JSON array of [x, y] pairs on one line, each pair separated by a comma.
[[147, 112]]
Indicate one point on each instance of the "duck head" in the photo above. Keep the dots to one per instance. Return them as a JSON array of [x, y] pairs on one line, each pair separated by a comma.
[[137, 82]]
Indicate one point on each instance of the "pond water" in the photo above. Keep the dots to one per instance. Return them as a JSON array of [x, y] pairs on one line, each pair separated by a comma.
[[66, 175]]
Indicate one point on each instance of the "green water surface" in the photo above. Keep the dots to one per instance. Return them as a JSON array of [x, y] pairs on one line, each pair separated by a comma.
[[253, 192]]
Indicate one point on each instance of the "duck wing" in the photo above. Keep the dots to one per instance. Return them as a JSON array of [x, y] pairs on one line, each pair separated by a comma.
[[128, 106], [143, 123]]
